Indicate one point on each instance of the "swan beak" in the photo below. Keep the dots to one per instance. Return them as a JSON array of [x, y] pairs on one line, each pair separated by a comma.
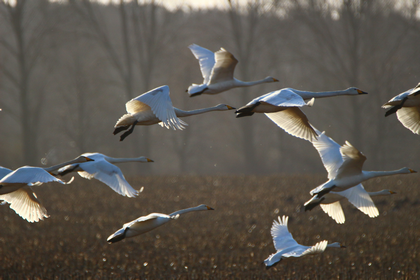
[[361, 91], [275, 80], [412, 171], [209, 208], [150, 160], [391, 192], [342, 246], [89, 159], [230, 107]]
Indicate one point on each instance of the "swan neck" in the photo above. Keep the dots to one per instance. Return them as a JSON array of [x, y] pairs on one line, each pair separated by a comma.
[[374, 174], [182, 113], [378, 193], [240, 83], [183, 211], [320, 94]]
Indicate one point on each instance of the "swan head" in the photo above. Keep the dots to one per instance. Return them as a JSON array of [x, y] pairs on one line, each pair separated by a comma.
[[224, 107], [355, 91], [204, 207], [270, 79], [406, 170], [145, 159], [336, 245], [81, 159]]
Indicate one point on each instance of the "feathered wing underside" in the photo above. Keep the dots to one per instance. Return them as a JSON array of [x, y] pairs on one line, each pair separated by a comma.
[[410, 118], [110, 175], [329, 152], [294, 122], [315, 249], [205, 59], [361, 199], [282, 238], [352, 161], [224, 67], [160, 103], [25, 203], [335, 211], [30, 175]]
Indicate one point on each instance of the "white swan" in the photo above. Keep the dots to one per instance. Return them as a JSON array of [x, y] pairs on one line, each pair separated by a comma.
[[155, 106], [102, 169], [287, 246], [147, 223], [282, 107], [15, 188], [344, 166], [307, 95], [358, 196], [407, 107], [217, 70]]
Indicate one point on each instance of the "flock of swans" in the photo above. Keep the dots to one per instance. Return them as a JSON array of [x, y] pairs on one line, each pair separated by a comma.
[[343, 163]]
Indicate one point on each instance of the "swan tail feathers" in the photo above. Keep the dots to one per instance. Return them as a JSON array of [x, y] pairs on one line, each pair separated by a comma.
[[196, 89], [116, 236]]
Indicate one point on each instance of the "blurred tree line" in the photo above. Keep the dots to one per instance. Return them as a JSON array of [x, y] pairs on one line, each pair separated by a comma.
[[68, 67]]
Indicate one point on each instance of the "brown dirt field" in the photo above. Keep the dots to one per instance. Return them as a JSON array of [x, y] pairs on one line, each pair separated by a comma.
[[228, 243]]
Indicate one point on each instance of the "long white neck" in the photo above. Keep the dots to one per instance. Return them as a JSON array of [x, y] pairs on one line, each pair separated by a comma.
[[378, 193], [183, 211], [320, 94], [239, 83], [334, 245], [182, 113], [121, 160], [374, 174]]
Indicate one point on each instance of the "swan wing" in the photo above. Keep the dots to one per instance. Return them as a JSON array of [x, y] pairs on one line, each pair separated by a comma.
[[293, 121], [160, 103], [352, 161], [282, 238], [205, 59], [25, 203], [30, 175], [224, 67], [410, 118], [316, 249], [329, 151], [110, 175], [361, 199], [4, 171], [283, 97], [335, 211]]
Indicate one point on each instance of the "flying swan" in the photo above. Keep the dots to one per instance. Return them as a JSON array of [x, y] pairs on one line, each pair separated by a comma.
[[217, 70], [155, 106], [15, 188], [287, 246], [149, 222], [283, 108], [357, 196], [103, 169], [344, 166], [407, 107]]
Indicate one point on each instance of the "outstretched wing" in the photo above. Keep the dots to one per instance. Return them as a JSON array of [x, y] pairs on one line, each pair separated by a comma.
[[352, 161], [224, 67], [335, 211], [110, 175], [25, 203], [282, 238], [361, 199], [329, 151], [410, 118], [30, 175], [205, 59], [160, 103]]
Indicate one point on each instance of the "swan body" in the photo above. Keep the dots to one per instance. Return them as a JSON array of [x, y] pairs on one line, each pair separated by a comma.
[[344, 166], [407, 107], [103, 169], [287, 246], [357, 196], [155, 107], [283, 108], [147, 223], [217, 70]]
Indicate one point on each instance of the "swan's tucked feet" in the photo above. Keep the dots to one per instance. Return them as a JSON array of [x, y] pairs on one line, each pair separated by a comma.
[[311, 204], [394, 109], [246, 110], [120, 128], [197, 93], [128, 132], [325, 191]]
